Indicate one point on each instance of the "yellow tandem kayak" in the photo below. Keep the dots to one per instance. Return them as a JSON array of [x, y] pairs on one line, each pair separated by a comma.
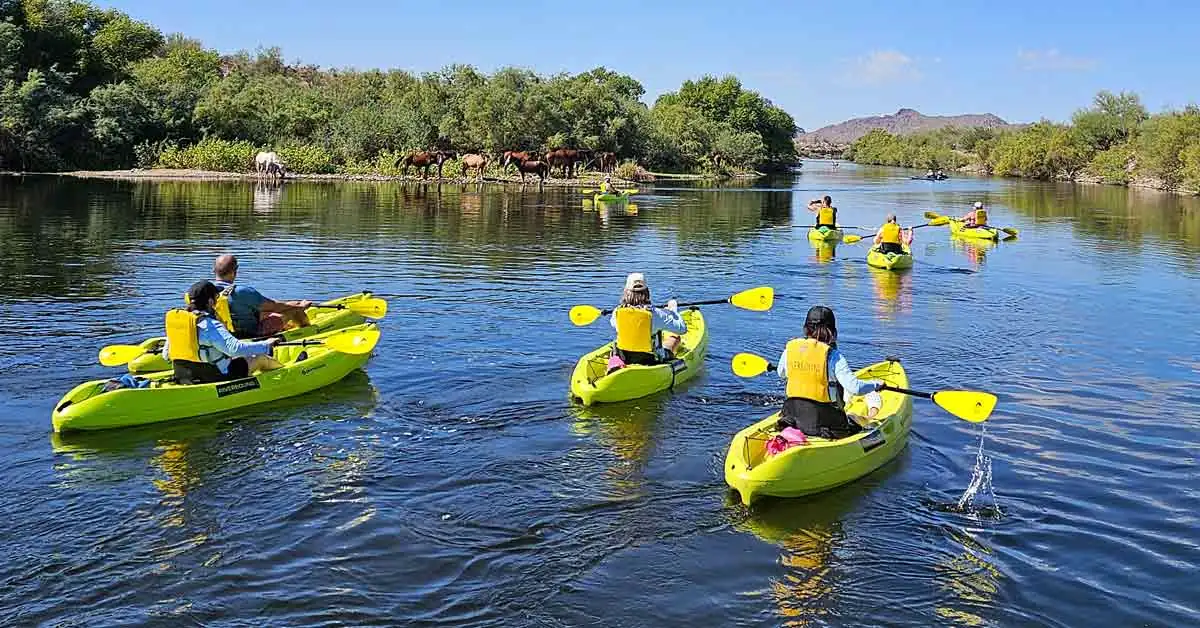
[[821, 464], [592, 384]]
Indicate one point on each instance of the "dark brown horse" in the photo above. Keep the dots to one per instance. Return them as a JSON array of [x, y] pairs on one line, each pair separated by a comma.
[[513, 157], [425, 159], [606, 161], [540, 168], [566, 158]]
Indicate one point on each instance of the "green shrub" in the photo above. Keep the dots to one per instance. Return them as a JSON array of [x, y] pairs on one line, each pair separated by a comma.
[[307, 159], [627, 170], [1112, 165], [210, 154]]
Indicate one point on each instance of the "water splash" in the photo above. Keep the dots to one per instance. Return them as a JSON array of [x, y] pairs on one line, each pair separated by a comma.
[[981, 486]]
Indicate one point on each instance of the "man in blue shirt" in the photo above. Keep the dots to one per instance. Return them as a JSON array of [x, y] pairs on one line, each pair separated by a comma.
[[253, 314]]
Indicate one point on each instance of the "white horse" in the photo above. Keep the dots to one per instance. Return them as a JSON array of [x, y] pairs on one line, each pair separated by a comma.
[[269, 163]]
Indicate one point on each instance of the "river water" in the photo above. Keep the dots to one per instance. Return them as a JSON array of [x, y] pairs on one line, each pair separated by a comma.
[[452, 482]]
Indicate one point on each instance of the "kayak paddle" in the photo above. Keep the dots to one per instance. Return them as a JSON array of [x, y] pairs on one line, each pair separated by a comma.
[[758, 299], [625, 192], [354, 342], [940, 221], [851, 239], [371, 308], [967, 405]]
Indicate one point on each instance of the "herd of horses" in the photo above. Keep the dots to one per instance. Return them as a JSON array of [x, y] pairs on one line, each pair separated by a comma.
[[566, 160]]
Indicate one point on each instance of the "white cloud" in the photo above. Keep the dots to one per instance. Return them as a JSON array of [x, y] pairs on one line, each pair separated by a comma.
[[880, 67], [1052, 60]]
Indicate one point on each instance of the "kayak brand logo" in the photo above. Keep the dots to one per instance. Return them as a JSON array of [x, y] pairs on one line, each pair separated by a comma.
[[237, 386], [311, 369]]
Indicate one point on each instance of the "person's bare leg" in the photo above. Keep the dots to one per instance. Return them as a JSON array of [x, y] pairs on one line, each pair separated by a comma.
[[262, 363], [671, 343]]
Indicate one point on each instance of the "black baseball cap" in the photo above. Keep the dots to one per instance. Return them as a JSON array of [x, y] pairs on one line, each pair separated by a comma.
[[820, 315]]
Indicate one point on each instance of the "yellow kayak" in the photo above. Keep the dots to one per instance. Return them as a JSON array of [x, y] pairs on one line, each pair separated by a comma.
[[824, 234], [592, 384], [960, 229], [821, 464], [322, 320], [890, 261]]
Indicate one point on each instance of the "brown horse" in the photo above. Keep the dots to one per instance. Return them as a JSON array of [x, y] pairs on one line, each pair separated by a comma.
[[513, 157], [425, 159], [567, 159], [606, 161], [475, 161], [540, 168]]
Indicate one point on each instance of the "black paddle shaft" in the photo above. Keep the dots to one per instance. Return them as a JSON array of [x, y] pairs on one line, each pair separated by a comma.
[[905, 391], [713, 302]]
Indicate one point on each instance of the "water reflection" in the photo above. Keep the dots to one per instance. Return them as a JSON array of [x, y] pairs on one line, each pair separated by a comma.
[[973, 249], [893, 292], [823, 252], [969, 578]]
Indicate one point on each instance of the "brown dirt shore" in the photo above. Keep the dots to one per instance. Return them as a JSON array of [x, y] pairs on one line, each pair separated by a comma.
[[168, 174]]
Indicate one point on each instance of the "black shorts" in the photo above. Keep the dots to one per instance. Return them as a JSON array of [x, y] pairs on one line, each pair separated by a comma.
[[204, 373], [823, 420], [638, 357], [891, 247]]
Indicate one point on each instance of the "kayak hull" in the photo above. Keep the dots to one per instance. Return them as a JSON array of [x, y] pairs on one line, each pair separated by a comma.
[[824, 234], [88, 407], [610, 198], [960, 229], [324, 320], [821, 464], [590, 383], [890, 261]]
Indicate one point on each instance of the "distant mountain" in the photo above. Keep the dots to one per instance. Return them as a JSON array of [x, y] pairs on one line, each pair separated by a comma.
[[903, 122]]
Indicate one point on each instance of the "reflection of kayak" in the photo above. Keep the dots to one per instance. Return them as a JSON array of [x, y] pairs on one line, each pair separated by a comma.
[[890, 261], [88, 407], [960, 229], [820, 464], [590, 384], [823, 251], [322, 320], [824, 234]]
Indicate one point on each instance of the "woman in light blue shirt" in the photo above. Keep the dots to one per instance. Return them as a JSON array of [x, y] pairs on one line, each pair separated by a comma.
[[206, 352]]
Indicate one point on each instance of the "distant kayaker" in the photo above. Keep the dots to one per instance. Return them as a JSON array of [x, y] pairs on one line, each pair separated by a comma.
[[252, 314], [826, 213], [929, 174], [819, 380], [639, 326], [606, 185], [940, 174], [201, 350], [976, 217], [891, 238]]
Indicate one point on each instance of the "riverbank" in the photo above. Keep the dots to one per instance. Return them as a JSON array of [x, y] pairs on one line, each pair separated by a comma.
[[182, 174]]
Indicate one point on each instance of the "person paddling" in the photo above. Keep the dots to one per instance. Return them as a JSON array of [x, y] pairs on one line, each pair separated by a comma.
[[606, 185], [826, 213], [977, 217], [249, 312], [820, 382], [201, 350], [639, 326], [891, 238]]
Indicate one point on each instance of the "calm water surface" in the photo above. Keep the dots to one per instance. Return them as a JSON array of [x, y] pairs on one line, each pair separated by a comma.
[[453, 483]]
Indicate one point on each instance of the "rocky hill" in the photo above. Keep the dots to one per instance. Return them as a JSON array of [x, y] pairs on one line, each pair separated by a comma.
[[903, 122]]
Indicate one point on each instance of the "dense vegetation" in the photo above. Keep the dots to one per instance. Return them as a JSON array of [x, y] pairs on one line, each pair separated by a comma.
[[1115, 141], [85, 87]]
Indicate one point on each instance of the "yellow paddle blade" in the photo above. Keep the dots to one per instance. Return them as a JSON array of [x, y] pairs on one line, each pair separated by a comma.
[[933, 215], [967, 405], [584, 315], [587, 191], [116, 355], [758, 299], [631, 209], [851, 239], [356, 342], [939, 221], [370, 308], [1010, 231], [630, 191], [749, 365]]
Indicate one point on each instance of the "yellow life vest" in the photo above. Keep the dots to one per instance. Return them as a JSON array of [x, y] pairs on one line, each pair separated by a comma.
[[220, 308], [603, 187], [183, 337], [889, 233], [827, 216], [635, 327], [980, 217], [808, 370]]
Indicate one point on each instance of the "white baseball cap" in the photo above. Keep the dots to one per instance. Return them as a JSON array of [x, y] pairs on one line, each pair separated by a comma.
[[978, 205], [634, 280]]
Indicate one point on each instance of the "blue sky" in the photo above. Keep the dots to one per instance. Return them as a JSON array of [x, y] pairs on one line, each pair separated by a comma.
[[821, 61]]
